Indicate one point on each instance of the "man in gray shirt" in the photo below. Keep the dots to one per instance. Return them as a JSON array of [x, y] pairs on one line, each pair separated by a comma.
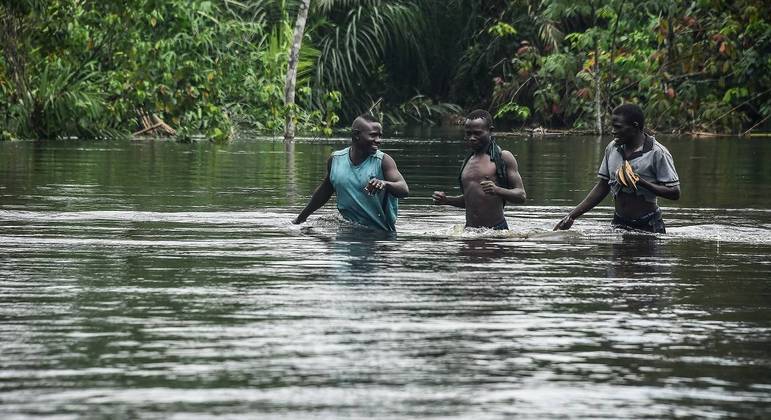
[[636, 204]]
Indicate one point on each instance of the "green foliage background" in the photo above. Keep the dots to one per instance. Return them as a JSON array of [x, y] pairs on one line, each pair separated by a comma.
[[84, 68]]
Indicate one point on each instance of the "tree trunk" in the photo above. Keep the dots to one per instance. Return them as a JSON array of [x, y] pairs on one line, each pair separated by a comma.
[[597, 90], [291, 72], [597, 78], [609, 73]]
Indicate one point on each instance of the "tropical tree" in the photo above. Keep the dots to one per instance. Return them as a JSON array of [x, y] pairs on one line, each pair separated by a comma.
[[291, 73]]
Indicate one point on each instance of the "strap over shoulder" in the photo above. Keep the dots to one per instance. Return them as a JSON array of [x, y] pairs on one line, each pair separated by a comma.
[[496, 156]]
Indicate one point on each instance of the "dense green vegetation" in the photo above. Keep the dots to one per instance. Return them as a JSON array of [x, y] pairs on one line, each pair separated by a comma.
[[83, 68]]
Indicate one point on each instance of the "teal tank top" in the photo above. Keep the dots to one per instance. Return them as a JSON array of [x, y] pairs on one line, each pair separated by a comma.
[[356, 205]]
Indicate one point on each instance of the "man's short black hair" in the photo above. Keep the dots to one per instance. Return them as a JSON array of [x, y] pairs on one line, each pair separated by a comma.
[[481, 113], [366, 117], [632, 113], [369, 118]]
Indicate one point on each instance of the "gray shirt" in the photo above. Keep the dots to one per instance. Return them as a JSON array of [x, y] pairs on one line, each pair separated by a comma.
[[653, 163]]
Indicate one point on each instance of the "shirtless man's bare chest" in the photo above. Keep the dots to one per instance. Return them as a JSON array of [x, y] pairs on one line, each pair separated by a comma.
[[481, 209]]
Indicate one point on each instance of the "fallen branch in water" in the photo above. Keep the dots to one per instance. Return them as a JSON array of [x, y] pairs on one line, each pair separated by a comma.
[[151, 124], [540, 131], [147, 129], [755, 126], [706, 134]]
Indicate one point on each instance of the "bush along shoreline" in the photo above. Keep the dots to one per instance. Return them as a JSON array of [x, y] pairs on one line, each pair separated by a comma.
[[186, 69]]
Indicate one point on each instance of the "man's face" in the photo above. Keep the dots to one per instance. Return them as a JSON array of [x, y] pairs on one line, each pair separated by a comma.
[[622, 129], [477, 134], [368, 136]]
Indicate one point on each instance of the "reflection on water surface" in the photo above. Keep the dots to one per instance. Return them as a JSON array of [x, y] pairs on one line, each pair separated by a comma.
[[160, 279]]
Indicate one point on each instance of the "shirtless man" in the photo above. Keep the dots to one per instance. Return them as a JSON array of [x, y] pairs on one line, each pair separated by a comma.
[[489, 177], [636, 205]]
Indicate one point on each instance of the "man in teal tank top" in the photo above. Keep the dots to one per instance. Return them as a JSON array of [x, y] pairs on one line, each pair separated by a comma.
[[365, 180]]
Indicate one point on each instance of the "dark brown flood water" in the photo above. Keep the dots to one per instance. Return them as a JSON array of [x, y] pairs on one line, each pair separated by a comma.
[[164, 280]]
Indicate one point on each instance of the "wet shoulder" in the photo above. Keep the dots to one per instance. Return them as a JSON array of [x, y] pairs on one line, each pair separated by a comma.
[[611, 146], [507, 154], [659, 148], [342, 152]]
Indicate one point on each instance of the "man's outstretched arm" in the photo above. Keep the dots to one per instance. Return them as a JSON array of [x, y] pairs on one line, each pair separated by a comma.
[[595, 197], [322, 194]]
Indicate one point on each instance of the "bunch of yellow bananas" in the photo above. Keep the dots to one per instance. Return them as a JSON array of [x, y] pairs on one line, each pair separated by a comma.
[[626, 176]]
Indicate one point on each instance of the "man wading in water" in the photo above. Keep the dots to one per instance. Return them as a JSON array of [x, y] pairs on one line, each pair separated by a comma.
[[651, 173], [366, 180], [488, 178]]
